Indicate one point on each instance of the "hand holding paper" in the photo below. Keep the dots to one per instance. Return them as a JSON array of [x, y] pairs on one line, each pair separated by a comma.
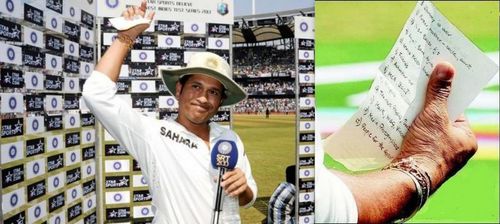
[[374, 135], [440, 146], [134, 20]]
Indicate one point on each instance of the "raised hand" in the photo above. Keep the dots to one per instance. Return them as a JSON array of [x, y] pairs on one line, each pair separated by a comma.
[[440, 146], [135, 12]]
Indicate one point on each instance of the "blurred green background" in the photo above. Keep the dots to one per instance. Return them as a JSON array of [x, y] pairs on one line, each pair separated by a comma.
[[357, 32]]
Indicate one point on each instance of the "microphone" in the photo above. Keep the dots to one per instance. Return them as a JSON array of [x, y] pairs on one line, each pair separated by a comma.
[[224, 157]]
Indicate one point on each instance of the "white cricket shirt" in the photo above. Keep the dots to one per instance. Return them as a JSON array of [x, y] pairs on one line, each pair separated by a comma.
[[334, 202], [175, 161]]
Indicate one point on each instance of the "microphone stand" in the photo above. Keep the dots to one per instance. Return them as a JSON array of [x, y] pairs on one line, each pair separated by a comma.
[[218, 198]]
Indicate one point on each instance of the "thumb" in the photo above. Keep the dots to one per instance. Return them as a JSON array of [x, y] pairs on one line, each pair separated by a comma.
[[439, 86]]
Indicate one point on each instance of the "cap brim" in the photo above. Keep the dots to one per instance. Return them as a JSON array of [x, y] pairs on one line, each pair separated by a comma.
[[234, 93]]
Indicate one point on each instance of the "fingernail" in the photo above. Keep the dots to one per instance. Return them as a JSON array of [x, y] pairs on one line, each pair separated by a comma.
[[445, 71]]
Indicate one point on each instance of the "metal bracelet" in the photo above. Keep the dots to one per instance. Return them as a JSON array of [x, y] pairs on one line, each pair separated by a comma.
[[126, 40], [419, 177]]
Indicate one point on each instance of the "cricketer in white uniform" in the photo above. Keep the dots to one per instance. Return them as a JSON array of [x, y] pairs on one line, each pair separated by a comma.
[[174, 155]]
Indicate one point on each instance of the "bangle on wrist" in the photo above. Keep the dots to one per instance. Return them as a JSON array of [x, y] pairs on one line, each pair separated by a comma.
[[419, 177], [126, 40]]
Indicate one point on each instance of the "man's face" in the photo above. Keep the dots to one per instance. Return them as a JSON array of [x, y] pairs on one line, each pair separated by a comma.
[[199, 98]]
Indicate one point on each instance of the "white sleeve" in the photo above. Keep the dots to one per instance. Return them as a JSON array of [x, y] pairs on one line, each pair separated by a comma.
[[244, 165], [121, 121], [335, 202]]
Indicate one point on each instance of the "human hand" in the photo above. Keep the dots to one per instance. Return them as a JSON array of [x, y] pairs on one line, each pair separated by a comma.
[[234, 182], [439, 146], [130, 13]]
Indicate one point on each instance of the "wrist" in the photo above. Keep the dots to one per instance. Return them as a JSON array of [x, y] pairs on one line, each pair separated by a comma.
[[421, 181], [434, 168], [126, 40]]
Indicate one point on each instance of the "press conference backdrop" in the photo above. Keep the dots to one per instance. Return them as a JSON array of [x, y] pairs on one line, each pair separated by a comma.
[[304, 51], [177, 32], [48, 153]]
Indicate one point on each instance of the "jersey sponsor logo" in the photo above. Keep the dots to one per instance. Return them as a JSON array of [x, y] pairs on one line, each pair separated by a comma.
[[176, 137]]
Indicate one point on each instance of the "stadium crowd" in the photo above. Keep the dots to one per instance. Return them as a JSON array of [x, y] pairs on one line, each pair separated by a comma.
[[259, 105], [274, 87], [263, 61]]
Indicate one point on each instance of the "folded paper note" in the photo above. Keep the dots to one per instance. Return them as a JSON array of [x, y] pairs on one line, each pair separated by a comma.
[[120, 23], [372, 137]]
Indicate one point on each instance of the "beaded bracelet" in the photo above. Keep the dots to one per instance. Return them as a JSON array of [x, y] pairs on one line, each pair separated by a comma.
[[126, 40], [419, 177]]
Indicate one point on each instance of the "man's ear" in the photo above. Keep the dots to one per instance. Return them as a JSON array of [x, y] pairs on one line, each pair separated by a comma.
[[178, 90]]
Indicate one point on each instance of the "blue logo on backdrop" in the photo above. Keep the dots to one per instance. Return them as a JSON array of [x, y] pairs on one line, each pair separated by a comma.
[[89, 170], [87, 35], [9, 5], [12, 151], [71, 84], [170, 101], [53, 62], [12, 103], [55, 182], [71, 48], [57, 220], [143, 56], [53, 22], [87, 68], [34, 125], [55, 142], [88, 136], [38, 211], [169, 41], [73, 193], [89, 204], [36, 168], [144, 211], [194, 27], [112, 4], [72, 11], [218, 43], [304, 26], [72, 121], [13, 200], [117, 165], [53, 103], [143, 86], [34, 80], [117, 197], [11, 54], [33, 37], [73, 157]]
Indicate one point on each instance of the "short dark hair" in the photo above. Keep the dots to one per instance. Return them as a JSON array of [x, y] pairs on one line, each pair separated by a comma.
[[183, 79]]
